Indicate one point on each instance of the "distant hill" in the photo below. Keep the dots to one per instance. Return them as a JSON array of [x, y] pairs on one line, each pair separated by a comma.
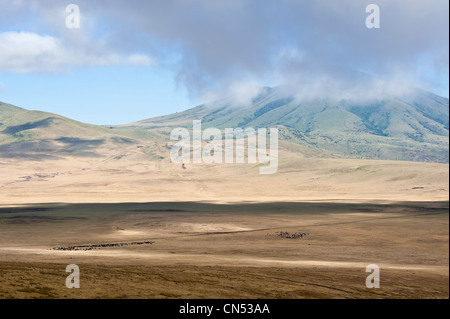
[[413, 127], [40, 135]]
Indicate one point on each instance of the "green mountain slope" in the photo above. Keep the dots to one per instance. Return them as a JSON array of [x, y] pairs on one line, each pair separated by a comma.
[[41, 135], [415, 127]]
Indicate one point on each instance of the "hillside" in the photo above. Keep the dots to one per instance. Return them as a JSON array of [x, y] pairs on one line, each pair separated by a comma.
[[45, 157], [408, 128], [413, 128], [40, 135]]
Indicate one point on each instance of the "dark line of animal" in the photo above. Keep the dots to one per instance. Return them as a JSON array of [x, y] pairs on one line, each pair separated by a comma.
[[91, 247], [285, 234]]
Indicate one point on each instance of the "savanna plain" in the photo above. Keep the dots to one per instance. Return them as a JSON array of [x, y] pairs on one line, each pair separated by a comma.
[[155, 230]]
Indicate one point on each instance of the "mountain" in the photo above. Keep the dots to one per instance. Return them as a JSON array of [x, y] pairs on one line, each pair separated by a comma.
[[413, 127], [40, 135]]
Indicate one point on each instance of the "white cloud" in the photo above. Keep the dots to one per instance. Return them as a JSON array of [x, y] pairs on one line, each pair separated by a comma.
[[217, 42], [25, 52], [140, 60], [244, 91]]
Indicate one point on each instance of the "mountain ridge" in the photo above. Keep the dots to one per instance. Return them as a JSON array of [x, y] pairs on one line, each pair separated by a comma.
[[412, 127], [41, 135]]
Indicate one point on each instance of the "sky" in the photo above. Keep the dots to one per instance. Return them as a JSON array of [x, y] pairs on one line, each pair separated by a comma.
[[131, 60]]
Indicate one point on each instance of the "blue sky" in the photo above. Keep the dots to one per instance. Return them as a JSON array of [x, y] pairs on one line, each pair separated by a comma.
[[100, 95], [132, 60]]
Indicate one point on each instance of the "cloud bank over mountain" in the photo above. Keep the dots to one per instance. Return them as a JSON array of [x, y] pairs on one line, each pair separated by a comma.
[[217, 48]]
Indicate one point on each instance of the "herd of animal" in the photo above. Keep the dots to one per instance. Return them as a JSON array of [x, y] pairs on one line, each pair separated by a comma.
[[285, 234], [97, 246]]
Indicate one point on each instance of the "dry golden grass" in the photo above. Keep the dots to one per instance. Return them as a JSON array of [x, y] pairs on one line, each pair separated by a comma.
[[47, 280], [136, 179], [222, 250], [210, 226]]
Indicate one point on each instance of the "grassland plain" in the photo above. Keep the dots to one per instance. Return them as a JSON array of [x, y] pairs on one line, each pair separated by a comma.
[[214, 227], [211, 250]]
